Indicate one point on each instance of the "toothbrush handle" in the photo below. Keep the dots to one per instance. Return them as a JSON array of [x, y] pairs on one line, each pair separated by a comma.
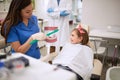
[[33, 41]]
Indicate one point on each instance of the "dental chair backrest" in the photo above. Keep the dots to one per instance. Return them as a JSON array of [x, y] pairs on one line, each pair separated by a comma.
[[86, 27], [97, 68]]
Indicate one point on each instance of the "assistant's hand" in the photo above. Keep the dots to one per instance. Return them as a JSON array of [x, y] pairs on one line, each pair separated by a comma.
[[64, 13], [50, 10], [39, 36]]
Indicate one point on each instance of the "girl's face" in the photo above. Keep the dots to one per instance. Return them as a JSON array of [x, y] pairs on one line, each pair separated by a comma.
[[74, 38], [27, 12]]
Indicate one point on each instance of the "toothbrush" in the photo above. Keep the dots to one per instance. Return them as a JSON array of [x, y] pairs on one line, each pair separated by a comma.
[[48, 34]]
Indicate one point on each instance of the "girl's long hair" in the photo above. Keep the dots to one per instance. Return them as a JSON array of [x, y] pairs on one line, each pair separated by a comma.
[[13, 16]]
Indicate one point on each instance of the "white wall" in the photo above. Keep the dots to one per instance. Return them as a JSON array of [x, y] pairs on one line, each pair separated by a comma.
[[101, 13], [40, 8]]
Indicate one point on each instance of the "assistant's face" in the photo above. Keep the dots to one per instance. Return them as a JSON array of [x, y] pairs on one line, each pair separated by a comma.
[[27, 12]]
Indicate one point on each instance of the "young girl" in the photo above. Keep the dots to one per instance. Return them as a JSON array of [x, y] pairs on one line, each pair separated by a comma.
[[20, 27], [76, 56]]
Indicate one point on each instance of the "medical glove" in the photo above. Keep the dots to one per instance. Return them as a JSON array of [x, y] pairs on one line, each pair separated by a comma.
[[64, 13], [50, 10], [39, 36]]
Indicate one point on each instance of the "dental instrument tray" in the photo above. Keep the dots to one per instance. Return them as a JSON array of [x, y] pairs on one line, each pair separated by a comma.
[[9, 64]]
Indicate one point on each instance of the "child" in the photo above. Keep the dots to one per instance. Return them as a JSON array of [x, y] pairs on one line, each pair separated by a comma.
[[20, 27], [76, 56]]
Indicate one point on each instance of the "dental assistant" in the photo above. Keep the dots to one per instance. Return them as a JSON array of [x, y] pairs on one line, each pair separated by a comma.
[[20, 27], [58, 14]]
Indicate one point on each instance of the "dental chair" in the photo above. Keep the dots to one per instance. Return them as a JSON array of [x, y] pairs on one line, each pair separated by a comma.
[[96, 72], [97, 64], [97, 69]]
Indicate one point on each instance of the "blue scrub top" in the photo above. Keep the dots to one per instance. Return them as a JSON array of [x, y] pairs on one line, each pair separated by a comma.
[[21, 33]]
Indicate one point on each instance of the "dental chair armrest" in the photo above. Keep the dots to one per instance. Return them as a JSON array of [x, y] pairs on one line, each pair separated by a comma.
[[49, 57], [97, 70]]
